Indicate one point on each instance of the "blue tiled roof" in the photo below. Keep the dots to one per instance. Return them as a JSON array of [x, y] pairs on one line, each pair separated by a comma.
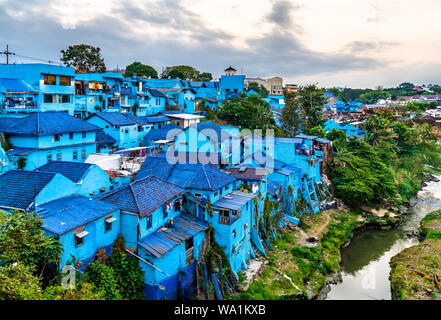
[[160, 134], [184, 227], [155, 119], [164, 83], [104, 138], [221, 133], [194, 176], [115, 118], [65, 214], [15, 85], [74, 171], [156, 93], [19, 188], [137, 119], [143, 196], [46, 123]]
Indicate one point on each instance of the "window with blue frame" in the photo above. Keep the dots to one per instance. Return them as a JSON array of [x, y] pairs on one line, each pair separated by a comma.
[[83, 134], [49, 157], [59, 156], [83, 153], [70, 135], [75, 155]]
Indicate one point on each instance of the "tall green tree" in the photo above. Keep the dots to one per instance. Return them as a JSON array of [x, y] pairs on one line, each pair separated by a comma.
[[291, 119], [181, 72], [205, 76], [141, 70], [247, 112], [261, 90], [84, 58], [312, 101]]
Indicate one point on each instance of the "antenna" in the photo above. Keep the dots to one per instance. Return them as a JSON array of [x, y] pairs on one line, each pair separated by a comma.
[[7, 53]]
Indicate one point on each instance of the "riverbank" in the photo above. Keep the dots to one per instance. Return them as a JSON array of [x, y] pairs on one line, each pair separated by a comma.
[[424, 258], [300, 269]]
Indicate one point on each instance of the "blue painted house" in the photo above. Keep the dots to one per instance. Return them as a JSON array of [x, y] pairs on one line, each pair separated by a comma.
[[154, 136], [231, 85], [96, 92], [118, 126], [54, 84], [167, 240], [82, 225], [231, 210], [26, 190], [90, 179], [43, 137]]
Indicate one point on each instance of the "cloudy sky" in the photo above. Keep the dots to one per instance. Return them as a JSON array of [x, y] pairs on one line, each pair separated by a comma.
[[362, 43]]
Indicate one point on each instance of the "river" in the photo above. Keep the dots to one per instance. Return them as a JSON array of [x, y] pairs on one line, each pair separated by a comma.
[[365, 262]]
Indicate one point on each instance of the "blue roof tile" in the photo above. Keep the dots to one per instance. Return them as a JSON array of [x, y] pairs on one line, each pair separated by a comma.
[[194, 176], [205, 125], [74, 171], [160, 134], [143, 196], [15, 85], [65, 214], [115, 118], [104, 138], [46, 123], [19, 188]]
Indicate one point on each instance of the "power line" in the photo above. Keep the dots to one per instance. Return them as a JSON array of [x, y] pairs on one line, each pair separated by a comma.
[[8, 53]]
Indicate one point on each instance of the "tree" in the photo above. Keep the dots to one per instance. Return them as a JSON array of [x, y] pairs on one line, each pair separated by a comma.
[[291, 114], [141, 70], [21, 238], [103, 277], [336, 134], [84, 58], [407, 86], [17, 282], [205, 76], [180, 72], [128, 275], [312, 102], [261, 90], [248, 112], [318, 131], [21, 163]]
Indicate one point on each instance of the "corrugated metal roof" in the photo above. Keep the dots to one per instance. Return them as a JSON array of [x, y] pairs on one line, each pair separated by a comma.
[[65, 214], [184, 227], [16, 85], [234, 200]]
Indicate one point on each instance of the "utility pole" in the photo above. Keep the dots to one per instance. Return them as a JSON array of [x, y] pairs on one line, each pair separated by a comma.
[[7, 53]]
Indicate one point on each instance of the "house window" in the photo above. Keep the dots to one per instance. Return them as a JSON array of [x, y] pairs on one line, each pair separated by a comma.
[[59, 156], [234, 233], [64, 98], [50, 98], [79, 238], [57, 137], [49, 157], [108, 223], [149, 222], [224, 216], [70, 135], [49, 79], [83, 153], [83, 135], [235, 214], [226, 188], [64, 81], [198, 195], [75, 155]]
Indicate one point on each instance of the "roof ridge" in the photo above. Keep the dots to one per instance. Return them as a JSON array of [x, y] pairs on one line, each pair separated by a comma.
[[134, 195], [206, 176]]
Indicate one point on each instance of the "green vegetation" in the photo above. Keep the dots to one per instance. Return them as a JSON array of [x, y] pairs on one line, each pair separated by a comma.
[[296, 271], [247, 112], [84, 58], [389, 165], [425, 258], [261, 90], [185, 73], [141, 70]]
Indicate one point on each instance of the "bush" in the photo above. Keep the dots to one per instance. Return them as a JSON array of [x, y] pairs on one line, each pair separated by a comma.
[[128, 275], [103, 277]]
